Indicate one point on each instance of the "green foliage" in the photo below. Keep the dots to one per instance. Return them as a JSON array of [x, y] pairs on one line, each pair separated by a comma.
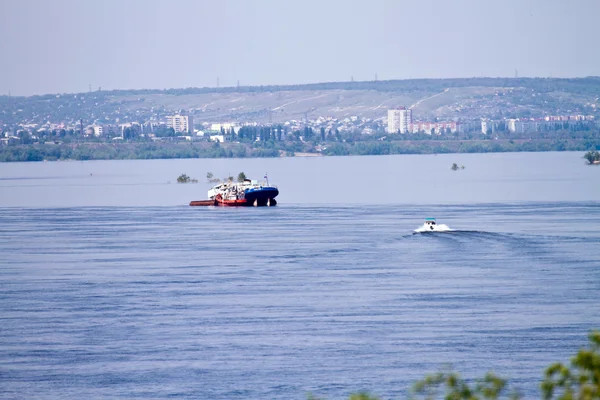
[[265, 153], [210, 177], [239, 151], [452, 387], [593, 157], [67, 148], [337, 149], [183, 178], [362, 396], [581, 380], [241, 177]]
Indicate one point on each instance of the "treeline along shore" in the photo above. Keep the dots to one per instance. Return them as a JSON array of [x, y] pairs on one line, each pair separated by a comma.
[[132, 150]]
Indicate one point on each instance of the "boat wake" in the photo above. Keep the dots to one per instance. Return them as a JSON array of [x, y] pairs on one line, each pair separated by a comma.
[[460, 234], [433, 229], [431, 225]]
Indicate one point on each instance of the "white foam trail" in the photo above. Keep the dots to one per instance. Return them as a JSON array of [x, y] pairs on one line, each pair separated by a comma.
[[436, 228]]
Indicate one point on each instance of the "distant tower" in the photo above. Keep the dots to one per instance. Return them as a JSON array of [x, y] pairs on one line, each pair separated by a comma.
[[90, 88], [352, 79], [375, 76], [217, 81], [238, 84], [516, 73]]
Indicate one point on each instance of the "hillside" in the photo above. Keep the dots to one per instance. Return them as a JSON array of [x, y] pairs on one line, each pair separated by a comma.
[[472, 98]]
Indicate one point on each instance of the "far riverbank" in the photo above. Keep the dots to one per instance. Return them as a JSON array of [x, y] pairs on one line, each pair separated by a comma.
[[129, 151]]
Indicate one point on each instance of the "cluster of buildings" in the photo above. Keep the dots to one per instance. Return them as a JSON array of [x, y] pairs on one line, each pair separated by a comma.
[[435, 127], [400, 120], [366, 126], [548, 123], [181, 124]]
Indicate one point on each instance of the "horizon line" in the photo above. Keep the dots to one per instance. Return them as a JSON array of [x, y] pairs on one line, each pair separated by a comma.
[[229, 88]]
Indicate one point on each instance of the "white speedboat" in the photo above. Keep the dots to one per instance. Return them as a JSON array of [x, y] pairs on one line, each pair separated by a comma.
[[431, 225]]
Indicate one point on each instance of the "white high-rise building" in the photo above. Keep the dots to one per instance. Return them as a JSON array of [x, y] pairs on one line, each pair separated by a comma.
[[512, 125], [393, 121], [399, 119], [181, 123], [405, 119], [485, 125]]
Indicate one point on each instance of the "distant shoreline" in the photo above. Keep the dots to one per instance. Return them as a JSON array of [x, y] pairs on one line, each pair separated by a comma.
[[308, 154], [140, 151]]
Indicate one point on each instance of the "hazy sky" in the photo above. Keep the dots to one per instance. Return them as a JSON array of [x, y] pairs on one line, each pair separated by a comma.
[[58, 46]]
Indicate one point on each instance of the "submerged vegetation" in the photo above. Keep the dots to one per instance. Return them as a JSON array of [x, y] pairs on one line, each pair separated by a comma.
[[211, 178], [592, 157], [578, 381], [183, 178]]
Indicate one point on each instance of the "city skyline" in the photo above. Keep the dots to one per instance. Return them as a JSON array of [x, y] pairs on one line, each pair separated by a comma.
[[70, 46]]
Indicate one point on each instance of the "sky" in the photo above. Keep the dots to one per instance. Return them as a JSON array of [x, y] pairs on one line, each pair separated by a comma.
[[68, 46]]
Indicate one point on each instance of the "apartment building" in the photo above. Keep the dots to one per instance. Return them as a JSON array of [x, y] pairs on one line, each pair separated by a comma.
[[399, 120], [181, 123]]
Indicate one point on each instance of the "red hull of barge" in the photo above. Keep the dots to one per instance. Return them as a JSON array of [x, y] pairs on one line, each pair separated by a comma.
[[231, 203], [218, 201], [203, 203]]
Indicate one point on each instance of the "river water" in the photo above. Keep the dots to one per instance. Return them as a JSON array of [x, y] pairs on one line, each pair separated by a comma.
[[112, 287]]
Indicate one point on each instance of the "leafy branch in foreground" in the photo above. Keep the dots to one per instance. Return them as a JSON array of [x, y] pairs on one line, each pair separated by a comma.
[[363, 396], [453, 387], [579, 381]]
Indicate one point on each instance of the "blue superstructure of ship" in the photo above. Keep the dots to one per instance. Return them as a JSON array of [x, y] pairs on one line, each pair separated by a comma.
[[261, 195]]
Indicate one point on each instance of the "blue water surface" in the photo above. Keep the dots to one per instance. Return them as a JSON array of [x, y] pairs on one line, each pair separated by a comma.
[[272, 303], [111, 286]]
